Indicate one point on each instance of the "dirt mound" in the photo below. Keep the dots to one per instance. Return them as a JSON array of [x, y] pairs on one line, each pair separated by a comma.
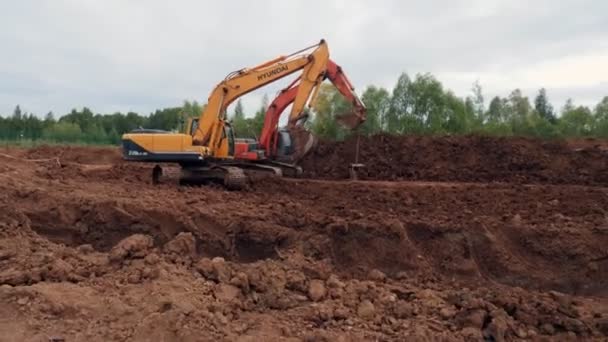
[[94, 251], [462, 159]]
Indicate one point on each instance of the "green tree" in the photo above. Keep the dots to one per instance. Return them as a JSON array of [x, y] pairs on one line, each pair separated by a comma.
[[399, 117], [32, 127], [329, 104], [83, 118], [495, 110], [576, 121], [518, 112], [257, 122], [113, 136], [377, 102], [418, 107], [95, 134], [191, 109], [239, 112], [63, 132], [543, 107], [17, 113], [600, 118], [478, 103], [429, 103], [16, 123], [4, 128], [239, 122], [167, 119], [461, 115], [49, 119]]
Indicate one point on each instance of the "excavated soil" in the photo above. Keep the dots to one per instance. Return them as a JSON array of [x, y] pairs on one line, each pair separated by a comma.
[[463, 159], [453, 239]]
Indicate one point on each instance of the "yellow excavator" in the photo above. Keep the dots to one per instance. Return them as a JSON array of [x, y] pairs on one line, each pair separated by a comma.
[[205, 150]]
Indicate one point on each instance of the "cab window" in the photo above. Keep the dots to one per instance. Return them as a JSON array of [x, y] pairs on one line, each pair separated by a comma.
[[194, 126]]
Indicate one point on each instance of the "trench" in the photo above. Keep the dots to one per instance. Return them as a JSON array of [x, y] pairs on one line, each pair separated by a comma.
[[103, 225]]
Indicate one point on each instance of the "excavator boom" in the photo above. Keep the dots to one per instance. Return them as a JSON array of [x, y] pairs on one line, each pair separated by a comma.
[[241, 82], [268, 138]]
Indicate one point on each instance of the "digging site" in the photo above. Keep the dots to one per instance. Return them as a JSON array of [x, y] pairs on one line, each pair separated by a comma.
[[444, 238]]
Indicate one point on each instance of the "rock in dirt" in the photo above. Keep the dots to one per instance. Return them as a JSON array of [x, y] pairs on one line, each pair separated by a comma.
[[325, 312], [183, 244], [152, 259], [341, 313], [6, 254], [403, 309], [497, 329], [447, 313], [376, 275], [316, 290], [85, 249], [134, 277], [471, 318], [134, 246], [296, 280], [241, 280], [547, 329], [150, 272], [205, 267], [472, 334], [221, 270], [602, 325], [14, 277], [216, 269], [334, 282], [226, 292], [366, 310], [59, 270]]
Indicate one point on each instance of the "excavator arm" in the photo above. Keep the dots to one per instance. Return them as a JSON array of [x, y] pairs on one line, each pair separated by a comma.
[[337, 76], [288, 95], [212, 120]]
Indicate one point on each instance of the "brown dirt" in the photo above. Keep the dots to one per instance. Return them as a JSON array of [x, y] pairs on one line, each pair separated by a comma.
[[91, 250], [464, 159]]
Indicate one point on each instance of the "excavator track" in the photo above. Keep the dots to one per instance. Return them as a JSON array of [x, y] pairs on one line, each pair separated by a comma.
[[234, 178]]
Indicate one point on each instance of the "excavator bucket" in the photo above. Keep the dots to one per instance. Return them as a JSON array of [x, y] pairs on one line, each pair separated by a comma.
[[303, 142], [350, 120]]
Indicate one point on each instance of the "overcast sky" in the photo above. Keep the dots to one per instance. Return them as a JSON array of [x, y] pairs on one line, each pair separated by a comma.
[[121, 55]]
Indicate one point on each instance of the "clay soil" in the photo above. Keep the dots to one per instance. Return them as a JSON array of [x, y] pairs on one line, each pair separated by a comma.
[[449, 239]]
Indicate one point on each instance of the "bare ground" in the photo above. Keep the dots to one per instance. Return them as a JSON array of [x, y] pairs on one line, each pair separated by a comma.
[[442, 240]]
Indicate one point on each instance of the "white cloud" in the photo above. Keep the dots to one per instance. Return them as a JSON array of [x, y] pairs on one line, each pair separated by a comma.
[[142, 55]]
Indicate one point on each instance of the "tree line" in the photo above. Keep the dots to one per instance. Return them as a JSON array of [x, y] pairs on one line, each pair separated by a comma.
[[423, 106], [414, 106]]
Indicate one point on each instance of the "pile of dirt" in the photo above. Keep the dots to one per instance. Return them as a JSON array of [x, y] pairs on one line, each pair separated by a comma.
[[94, 251], [462, 159]]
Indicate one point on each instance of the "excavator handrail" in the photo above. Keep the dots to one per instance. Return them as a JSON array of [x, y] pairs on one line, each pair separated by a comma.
[[273, 61]]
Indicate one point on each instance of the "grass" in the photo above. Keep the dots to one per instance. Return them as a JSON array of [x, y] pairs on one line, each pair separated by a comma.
[[29, 143]]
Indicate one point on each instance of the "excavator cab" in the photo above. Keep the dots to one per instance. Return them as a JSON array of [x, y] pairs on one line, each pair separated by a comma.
[[191, 126], [284, 145], [227, 133]]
